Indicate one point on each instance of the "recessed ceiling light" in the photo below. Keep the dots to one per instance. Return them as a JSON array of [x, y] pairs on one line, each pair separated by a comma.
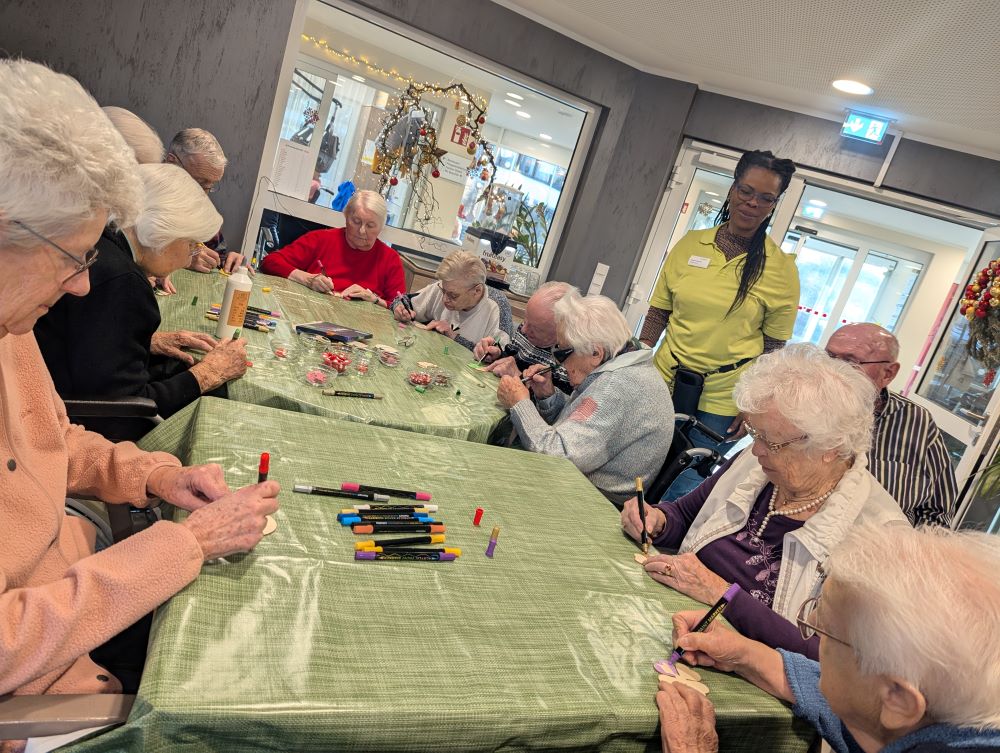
[[358, 78], [545, 146], [512, 95], [512, 103], [852, 87], [523, 114], [817, 203], [545, 136], [711, 193]]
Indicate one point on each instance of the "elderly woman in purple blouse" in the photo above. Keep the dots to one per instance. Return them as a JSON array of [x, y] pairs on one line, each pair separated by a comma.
[[770, 516]]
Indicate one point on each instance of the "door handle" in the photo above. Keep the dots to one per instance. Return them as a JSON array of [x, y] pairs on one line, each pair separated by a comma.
[[974, 416]]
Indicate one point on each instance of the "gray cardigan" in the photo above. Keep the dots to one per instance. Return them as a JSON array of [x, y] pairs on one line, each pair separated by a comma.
[[618, 424]]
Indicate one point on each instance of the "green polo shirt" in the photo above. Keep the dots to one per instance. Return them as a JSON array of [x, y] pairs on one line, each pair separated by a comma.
[[697, 285]]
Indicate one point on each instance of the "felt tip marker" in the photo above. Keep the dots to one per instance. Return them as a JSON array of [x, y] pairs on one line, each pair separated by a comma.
[[348, 393], [264, 467], [704, 622], [402, 549], [493, 541], [350, 519], [390, 508], [396, 526], [437, 538], [546, 370], [325, 492], [406, 556], [641, 499], [422, 496]]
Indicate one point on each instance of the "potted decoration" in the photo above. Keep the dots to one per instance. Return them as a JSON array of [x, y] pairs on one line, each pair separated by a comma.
[[981, 306]]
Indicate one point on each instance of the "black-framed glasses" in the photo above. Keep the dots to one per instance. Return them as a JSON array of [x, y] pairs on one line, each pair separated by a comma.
[[772, 447], [449, 296], [561, 354], [206, 187], [808, 629], [82, 265], [854, 361], [746, 194]]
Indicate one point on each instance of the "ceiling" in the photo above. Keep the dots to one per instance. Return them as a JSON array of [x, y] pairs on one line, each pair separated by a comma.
[[934, 65], [343, 31]]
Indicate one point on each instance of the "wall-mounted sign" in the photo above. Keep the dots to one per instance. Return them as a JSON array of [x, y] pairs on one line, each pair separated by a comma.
[[858, 125]]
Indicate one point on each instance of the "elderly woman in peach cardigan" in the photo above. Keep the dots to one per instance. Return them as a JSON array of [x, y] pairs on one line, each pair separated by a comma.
[[66, 174]]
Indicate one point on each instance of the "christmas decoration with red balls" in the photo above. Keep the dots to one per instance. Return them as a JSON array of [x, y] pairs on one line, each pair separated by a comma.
[[393, 181], [482, 119], [423, 131], [981, 306], [435, 173]]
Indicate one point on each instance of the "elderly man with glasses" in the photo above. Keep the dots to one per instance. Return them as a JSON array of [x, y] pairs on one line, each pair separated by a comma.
[[908, 455], [908, 650], [201, 155], [770, 516]]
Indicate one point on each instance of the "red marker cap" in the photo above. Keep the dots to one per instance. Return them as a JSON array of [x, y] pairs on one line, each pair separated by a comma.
[[478, 516], [265, 463], [350, 487]]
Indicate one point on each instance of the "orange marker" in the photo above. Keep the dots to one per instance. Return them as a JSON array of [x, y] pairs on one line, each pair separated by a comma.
[[395, 526]]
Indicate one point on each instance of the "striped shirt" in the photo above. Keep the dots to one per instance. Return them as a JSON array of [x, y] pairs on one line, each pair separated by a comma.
[[526, 354], [909, 458]]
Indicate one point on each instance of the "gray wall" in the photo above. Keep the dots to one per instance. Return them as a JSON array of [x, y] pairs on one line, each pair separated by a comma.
[[946, 175], [634, 148], [177, 63]]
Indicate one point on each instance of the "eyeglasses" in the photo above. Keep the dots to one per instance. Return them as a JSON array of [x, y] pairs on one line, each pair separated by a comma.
[[772, 447], [806, 628], [561, 354], [82, 265], [205, 185], [746, 194], [854, 361], [194, 248], [449, 296]]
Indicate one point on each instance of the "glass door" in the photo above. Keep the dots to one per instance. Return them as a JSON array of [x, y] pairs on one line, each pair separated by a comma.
[[953, 385], [824, 268]]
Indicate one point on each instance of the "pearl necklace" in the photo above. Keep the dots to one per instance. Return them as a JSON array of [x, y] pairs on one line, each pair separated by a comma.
[[771, 511]]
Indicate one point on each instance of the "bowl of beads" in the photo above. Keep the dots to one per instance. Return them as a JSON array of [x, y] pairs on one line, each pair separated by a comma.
[[389, 358], [337, 359], [282, 349], [320, 375], [440, 378], [422, 380], [313, 343], [362, 366]]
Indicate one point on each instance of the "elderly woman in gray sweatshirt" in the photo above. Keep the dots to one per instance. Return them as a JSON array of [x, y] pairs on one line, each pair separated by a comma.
[[618, 422]]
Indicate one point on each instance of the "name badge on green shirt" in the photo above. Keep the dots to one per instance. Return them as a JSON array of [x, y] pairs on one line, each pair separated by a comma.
[[698, 261]]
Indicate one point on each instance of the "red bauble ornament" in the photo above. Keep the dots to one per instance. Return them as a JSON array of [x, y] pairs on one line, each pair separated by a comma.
[[393, 180], [482, 119], [981, 313], [423, 131], [435, 173]]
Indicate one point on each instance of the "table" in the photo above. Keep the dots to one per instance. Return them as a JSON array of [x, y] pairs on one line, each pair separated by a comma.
[[474, 415], [298, 647]]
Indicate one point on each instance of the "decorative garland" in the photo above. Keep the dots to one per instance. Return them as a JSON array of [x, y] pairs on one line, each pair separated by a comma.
[[413, 158], [981, 306]]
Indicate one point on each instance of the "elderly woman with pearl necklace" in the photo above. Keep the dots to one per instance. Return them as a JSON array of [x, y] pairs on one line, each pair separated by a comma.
[[770, 516]]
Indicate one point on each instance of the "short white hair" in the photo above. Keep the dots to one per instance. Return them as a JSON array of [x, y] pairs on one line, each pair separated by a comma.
[[552, 292], [138, 134], [463, 267], [370, 201], [174, 207], [197, 142], [586, 322], [61, 159], [829, 401], [924, 605]]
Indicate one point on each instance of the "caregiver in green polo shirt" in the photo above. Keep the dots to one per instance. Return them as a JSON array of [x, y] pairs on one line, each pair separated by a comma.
[[725, 296]]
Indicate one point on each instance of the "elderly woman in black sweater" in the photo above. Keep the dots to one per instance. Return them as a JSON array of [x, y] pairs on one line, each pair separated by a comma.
[[106, 344]]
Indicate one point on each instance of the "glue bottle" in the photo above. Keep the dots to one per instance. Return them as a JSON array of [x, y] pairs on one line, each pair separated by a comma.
[[234, 304]]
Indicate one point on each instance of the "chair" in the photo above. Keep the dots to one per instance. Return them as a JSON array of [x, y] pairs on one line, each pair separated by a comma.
[[682, 455], [27, 716]]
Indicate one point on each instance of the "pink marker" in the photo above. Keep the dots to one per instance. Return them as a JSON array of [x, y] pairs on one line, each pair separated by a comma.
[[422, 496]]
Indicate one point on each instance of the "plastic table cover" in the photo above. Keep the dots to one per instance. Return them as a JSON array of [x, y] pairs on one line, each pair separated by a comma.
[[474, 414], [296, 646]]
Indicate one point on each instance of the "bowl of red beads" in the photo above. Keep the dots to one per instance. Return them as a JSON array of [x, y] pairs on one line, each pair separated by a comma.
[[337, 359], [422, 379], [320, 375], [388, 358]]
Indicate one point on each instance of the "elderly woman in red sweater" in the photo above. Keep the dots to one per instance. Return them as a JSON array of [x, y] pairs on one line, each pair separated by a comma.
[[349, 260], [67, 173]]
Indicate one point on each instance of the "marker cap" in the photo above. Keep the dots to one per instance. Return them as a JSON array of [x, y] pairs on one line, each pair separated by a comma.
[[350, 487]]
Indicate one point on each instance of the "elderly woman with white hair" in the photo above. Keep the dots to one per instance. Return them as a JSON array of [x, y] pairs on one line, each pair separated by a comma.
[[349, 260], [908, 624], [67, 172], [769, 517], [458, 302], [618, 422], [107, 344], [138, 134]]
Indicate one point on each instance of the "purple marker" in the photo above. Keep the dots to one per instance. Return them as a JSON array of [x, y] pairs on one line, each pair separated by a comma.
[[704, 622], [493, 541], [411, 556]]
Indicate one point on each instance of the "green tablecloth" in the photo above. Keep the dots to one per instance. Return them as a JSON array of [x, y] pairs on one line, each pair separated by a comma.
[[296, 646], [474, 415]]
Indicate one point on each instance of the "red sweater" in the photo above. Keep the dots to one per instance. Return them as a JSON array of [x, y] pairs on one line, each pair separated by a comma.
[[378, 269]]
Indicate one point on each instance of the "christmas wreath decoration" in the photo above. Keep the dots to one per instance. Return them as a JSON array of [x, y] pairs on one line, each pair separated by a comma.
[[981, 306]]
